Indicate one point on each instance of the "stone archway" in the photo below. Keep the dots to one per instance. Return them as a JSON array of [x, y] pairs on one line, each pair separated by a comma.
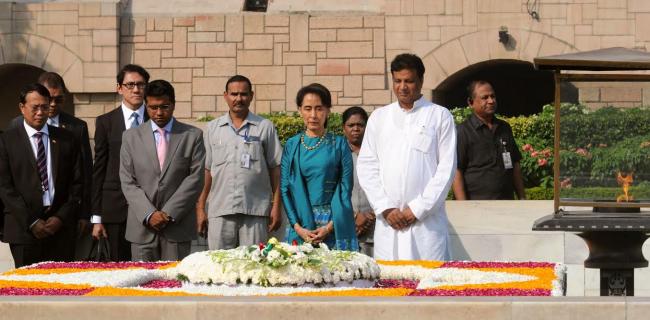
[[13, 77], [479, 55], [23, 57], [520, 89], [43, 53], [468, 49]]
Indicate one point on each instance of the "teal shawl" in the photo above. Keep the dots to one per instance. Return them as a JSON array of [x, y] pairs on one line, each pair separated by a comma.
[[296, 200]]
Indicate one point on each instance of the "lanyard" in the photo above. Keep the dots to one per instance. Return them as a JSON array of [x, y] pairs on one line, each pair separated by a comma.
[[503, 145], [246, 131]]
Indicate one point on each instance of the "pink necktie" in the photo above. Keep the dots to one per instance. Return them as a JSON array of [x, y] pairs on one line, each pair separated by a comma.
[[162, 147]]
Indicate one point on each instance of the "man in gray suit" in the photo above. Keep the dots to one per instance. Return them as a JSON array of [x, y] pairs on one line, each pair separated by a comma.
[[161, 172]]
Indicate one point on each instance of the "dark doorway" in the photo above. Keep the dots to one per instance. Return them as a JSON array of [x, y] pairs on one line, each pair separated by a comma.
[[13, 77], [520, 89]]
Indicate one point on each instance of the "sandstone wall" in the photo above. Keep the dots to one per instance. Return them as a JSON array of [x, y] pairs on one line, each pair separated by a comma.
[[346, 45]]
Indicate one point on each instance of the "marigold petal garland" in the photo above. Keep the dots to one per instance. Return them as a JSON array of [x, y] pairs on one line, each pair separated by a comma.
[[304, 271], [12, 291]]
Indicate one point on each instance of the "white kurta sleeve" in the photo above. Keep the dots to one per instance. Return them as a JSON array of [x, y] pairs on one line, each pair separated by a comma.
[[368, 170], [435, 191]]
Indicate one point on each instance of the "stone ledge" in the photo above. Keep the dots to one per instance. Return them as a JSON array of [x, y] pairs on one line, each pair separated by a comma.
[[449, 308]]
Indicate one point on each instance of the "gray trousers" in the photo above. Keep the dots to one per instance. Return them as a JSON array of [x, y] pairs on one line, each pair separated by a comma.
[[160, 249], [234, 230]]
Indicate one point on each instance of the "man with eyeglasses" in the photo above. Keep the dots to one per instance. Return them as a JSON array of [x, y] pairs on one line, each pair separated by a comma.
[[109, 206], [58, 118], [161, 171], [40, 183]]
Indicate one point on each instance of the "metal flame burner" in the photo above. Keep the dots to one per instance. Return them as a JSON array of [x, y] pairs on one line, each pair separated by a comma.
[[608, 209], [615, 241], [614, 231]]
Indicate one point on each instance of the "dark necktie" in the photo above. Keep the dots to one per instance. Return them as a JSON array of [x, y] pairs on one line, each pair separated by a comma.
[[41, 161]]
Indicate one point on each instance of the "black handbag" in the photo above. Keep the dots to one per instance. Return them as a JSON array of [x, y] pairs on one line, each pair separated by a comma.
[[101, 251]]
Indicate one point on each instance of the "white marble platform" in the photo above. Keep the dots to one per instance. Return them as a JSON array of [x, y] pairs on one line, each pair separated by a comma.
[[502, 231]]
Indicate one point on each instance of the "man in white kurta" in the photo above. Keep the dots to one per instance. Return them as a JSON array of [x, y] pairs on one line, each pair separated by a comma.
[[406, 166]]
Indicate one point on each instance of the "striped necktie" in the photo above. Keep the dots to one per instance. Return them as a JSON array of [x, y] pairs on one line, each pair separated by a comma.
[[41, 161], [135, 122]]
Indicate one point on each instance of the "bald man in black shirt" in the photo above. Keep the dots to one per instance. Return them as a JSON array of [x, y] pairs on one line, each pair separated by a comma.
[[488, 157]]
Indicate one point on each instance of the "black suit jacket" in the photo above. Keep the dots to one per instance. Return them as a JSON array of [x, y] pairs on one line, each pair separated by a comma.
[[107, 198], [20, 184], [79, 129]]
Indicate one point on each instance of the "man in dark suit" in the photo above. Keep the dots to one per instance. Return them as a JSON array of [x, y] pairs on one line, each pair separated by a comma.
[[109, 207], [40, 184], [161, 171], [57, 118]]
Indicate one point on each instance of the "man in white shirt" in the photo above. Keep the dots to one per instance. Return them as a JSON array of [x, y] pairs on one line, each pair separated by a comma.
[[109, 206], [406, 165]]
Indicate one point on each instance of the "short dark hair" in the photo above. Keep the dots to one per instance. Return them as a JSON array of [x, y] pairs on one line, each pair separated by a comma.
[[471, 87], [317, 89], [408, 61], [52, 80], [132, 68], [160, 88], [239, 78], [349, 112], [41, 89]]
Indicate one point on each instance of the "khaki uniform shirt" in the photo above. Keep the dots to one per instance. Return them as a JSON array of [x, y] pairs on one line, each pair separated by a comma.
[[241, 186]]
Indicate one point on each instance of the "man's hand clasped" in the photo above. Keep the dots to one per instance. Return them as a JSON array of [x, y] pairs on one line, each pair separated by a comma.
[[46, 228], [398, 219], [159, 220], [364, 221]]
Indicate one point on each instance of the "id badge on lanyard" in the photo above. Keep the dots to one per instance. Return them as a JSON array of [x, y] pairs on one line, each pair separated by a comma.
[[245, 159], [507, 160]]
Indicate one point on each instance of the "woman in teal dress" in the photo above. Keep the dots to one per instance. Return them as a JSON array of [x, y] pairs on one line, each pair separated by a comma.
[[317, 180]]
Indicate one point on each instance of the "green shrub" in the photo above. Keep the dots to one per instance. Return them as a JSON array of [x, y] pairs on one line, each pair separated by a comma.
[[539, 193], [599, 193], [536, 165], [205, 118], [605, 193], [603, 127], [629, 155], [461, 113], [576, 166], [290, 123]]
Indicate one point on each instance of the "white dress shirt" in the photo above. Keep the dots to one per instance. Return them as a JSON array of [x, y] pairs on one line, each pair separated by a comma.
[[54, 121], [408, 158], [48, 195], [127, 112]]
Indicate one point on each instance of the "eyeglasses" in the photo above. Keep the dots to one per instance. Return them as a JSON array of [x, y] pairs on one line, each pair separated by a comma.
[[163, 107], [131, 85]]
